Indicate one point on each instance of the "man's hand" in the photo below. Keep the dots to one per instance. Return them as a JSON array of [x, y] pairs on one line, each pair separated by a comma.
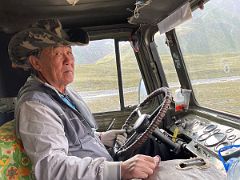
[[108, 138], [139, 166]]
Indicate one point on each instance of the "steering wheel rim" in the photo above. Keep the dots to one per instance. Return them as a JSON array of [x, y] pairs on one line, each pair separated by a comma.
[[124, 149]]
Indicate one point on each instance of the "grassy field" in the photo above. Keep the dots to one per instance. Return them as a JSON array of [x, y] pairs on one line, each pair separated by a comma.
[[103, 74], [223, 96]]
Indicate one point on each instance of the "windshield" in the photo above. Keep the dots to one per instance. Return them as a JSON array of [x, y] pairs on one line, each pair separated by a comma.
[[210, 44]]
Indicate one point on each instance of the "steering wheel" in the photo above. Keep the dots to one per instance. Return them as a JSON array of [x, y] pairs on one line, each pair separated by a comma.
[[145, 124]]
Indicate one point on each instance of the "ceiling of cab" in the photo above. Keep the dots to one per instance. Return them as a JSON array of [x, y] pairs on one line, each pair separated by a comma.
[[153, 11], [18, 14]]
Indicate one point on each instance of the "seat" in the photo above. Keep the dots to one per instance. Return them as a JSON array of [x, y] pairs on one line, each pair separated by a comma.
[[14, 163]]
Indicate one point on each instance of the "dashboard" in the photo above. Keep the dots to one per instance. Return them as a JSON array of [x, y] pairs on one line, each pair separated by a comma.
[[208, 137]]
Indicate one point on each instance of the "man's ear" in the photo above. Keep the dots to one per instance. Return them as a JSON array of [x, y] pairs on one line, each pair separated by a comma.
[[34, 61]]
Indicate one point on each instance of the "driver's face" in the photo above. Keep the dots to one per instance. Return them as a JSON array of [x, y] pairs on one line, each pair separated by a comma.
[[56, 65]]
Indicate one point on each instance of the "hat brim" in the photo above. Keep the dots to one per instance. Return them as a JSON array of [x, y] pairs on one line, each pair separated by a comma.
[[23, 43]]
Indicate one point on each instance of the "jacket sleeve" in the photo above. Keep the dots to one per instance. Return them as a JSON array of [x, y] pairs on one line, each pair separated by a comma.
[[44, 140]]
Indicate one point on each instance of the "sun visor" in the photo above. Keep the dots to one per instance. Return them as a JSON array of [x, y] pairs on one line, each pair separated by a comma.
[[179, 16], [78, 35]]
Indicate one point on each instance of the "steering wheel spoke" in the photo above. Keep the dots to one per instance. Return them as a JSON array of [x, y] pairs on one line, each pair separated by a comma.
[[131, 139]]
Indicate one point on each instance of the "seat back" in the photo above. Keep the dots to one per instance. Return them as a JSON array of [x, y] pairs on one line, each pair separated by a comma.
[[14, 163]]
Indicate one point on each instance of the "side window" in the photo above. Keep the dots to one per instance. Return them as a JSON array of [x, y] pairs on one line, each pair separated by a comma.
[[210, 44], [96, 77], [167, 61], [130, 74]]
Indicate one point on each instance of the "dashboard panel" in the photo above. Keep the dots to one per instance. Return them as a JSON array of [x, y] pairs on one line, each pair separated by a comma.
[[207, 137]]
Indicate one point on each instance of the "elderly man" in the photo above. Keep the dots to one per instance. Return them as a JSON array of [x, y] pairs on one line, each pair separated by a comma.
[[53, 122]]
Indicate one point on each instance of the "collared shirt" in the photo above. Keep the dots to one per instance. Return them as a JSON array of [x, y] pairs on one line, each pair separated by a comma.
[[66, 99]]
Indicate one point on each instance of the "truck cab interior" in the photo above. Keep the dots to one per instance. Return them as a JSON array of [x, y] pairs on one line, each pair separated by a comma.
[[162, 69]]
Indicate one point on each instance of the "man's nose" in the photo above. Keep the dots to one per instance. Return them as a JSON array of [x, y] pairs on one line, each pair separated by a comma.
[[68, 59]]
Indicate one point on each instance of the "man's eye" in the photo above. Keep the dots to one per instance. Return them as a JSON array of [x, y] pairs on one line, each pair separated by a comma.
[[69, 53], [58, 53]]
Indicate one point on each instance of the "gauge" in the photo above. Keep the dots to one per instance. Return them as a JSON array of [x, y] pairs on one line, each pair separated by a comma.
[[229, 130], [220, 146], [237, 141], [233, 136], [210, 128], [215, 139], [203, 136]]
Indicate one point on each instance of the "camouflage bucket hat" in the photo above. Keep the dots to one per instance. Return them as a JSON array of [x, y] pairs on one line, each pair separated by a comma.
[[44, 33]]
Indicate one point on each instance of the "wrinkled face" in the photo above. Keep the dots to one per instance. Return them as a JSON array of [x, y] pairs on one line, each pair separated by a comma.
[[56, 65]]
